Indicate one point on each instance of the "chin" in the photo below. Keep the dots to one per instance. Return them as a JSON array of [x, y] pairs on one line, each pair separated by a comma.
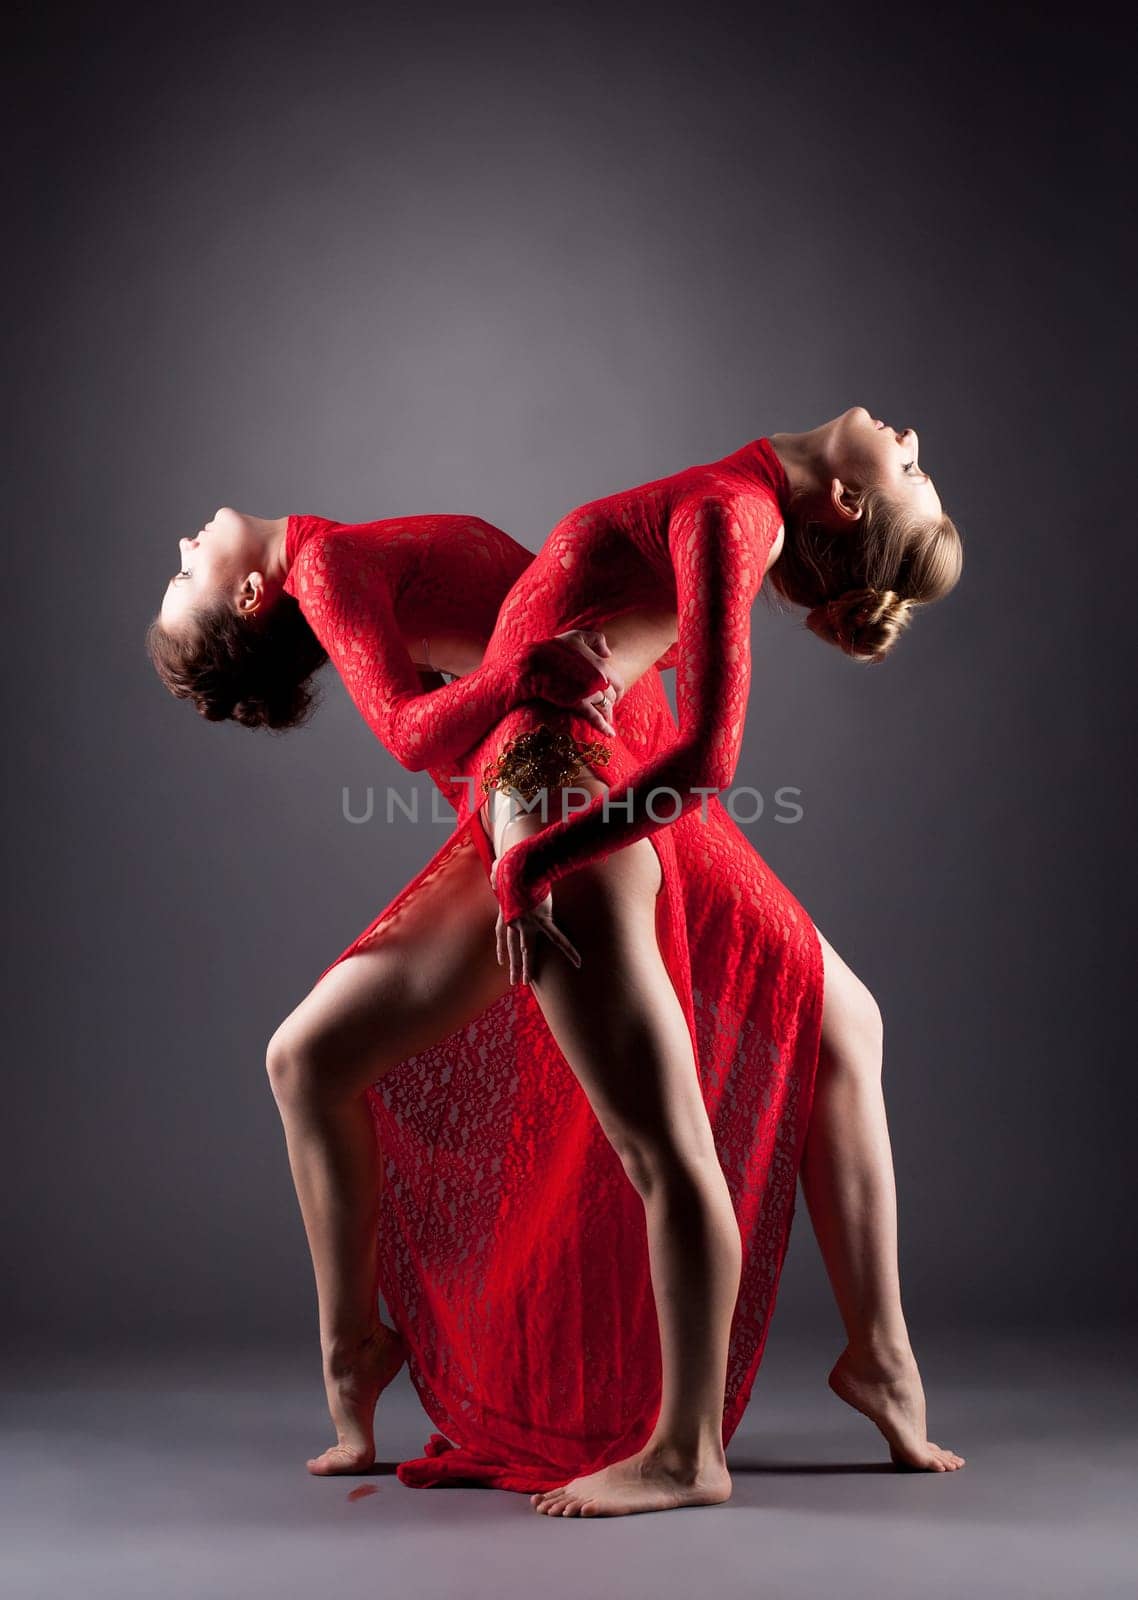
[[849, 419]]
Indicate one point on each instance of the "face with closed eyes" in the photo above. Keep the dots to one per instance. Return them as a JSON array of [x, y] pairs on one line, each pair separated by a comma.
[[220, 561], [862, 452]]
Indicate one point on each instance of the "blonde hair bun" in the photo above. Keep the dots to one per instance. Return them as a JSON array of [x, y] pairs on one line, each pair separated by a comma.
[[865, 623]]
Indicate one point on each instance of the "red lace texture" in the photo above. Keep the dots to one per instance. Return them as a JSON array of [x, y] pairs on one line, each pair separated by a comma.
[[349, 582], [703, 538], [512, 1247]]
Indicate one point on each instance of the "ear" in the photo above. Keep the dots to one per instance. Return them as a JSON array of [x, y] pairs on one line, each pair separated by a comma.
[[845, 501], [251, 594]]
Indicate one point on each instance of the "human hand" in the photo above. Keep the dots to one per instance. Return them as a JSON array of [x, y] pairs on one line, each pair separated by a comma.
[[517, 940], [590, 649], [596, 707]]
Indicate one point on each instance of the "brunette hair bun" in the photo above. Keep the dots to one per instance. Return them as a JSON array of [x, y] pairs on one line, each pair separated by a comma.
[[254, 673]]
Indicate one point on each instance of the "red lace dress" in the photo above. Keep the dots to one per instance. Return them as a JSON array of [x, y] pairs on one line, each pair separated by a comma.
[[513, 1249]]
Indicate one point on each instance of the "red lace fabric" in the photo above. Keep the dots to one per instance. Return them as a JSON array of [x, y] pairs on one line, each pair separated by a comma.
[[513, 1250], [700, 541], [362, 586]]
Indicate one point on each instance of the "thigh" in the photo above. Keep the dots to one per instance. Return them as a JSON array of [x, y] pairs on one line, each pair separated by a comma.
[[424, 973], [505, 821], [617, 1018], [850, 1015]]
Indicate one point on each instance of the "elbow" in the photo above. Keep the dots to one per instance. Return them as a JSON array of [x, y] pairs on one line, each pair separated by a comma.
[[701, 767], [405, 741], [411, 757], [720, 773]]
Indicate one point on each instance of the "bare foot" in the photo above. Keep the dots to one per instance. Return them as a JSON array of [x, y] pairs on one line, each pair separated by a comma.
[[655, 1479], [888, 1391], [353, 1382]]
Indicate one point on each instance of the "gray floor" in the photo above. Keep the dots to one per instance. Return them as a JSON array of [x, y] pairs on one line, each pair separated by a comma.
[[175, 1479]]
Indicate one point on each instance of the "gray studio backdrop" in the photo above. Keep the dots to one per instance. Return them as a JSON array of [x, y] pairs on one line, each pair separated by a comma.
[[363, 263]]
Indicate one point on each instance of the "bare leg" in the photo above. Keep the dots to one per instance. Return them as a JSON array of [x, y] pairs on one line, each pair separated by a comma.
[[619, 1024], [847, 1178], [431, 969]]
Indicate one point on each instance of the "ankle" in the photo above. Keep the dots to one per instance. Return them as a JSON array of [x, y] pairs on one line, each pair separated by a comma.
[[880, 1353], [341, 1352], [686, 1453]]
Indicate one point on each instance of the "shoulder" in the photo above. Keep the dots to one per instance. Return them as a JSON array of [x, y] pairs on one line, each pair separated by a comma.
[[328, 555], [728, 536], [481, 539]]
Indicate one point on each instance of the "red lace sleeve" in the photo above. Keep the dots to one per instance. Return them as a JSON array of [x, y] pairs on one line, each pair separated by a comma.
[[719, 554], [338, 580]]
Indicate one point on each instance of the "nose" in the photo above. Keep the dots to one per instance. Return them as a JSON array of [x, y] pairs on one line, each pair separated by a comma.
[[910, 440]]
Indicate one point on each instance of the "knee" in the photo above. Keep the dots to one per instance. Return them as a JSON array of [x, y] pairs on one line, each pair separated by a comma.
[[659, 1163], [638, 1163], [292, 1061]]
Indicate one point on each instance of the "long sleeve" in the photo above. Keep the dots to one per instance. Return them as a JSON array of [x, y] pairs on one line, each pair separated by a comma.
[[339, 583], [719, 555]]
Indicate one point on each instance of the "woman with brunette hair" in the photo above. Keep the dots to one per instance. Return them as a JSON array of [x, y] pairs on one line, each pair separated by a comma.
[[692, 1028]]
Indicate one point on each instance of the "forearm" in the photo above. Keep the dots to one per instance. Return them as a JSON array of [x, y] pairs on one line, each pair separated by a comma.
[[427, 730], [341, 586], [654, 797]]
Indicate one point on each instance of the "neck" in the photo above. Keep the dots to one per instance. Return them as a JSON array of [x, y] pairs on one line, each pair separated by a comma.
[[802, 460], [273, 531]]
